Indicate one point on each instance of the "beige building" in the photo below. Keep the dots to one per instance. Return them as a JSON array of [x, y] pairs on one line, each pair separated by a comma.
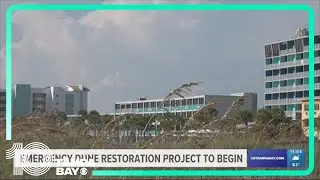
[[305, 116]]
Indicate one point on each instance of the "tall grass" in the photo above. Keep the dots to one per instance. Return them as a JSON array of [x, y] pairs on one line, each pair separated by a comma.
[[50, 130]]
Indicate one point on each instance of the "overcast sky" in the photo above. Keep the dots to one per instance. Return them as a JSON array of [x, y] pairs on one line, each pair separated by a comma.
[[126, 55]]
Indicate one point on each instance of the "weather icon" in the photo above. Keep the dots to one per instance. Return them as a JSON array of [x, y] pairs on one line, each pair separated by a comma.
[[295, 158]]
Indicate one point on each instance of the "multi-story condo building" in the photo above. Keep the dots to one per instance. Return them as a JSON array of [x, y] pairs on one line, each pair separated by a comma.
[[2, 103], [27, 99], [186, 107], [286, 73]]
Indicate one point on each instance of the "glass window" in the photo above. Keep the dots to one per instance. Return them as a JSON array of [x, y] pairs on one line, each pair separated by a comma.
[[201, 100], [147, 105], [283, 59], [283, 107], [317, 53], [291, 70], [317, 66], [178, 102], [299, 94], [140, 105], [268, 84], [283, 46], [275, 72], [317, 39], [299, 69], [283, 71], [290, 94], [290, 107], [153, 104], [275, 84], [305, 80], [268, 107], [290, 44], [291, 57], [189, 101], [306, 41], [134, 105], [283, 83], [305, 93], [306, 68], [306, 107], [268, 73], [291, 82], [317, 93], [275, 96], [316, 106], [283, 95], [117, 106], [195, 101], [184, 102], [267, 96], [299, 81], [306, 55], [299, 56], [268, 61], [276, 60], [123, 106], [298, 107]]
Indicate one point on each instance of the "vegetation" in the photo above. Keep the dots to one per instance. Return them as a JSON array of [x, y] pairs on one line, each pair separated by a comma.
[[271, 129]]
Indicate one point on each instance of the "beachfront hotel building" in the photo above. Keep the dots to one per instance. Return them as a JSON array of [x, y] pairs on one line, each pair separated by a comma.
[[287, 73], [27, 99], [185, 107]]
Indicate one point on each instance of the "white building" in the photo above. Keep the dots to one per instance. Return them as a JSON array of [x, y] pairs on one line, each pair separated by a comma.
[[69, 99]]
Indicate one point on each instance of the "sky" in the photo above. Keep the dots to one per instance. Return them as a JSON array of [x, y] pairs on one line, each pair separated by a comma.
[[123, 55]]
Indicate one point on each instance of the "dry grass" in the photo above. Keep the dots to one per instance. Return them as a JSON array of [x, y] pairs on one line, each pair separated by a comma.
[[51, 132]]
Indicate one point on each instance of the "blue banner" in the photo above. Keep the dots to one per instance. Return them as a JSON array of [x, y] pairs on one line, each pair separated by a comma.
[[267, 158], [276, 158]]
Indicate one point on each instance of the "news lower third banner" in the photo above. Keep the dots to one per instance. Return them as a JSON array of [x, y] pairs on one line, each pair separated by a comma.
[[170, 158]]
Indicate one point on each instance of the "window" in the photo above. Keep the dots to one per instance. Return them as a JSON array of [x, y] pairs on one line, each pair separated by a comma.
[[299, 69], [290, 107], [268, 107], [276, 49], [299, 56], [306, 68], [146, 105], [276, 60], [306, 107], [306, 55], [283, 107], [268, 61], [275, 72], [123, 106], [299, 45], [290, 44], [299, 94], [267, 96], [195, 101], [306, 81], [275, 96], [317, 93], [283, 59], [316, 106], [290, 95], [283, 95], [291, 70], [317, 53], [298, 107], [117, 106], [166, 103], [178, 102], [153, 104], [291, 57], [306, 41], [283, 46], [268, 51], [189, 101], [128, 106], [305, 93], [283, 71], [184, 102], [134, 105], [275, 84], [317, 39], [299, 81], [283, 83], [172, 103], [140, 105], [291, 82], [317, 66], [268, 73], [201, 100]]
